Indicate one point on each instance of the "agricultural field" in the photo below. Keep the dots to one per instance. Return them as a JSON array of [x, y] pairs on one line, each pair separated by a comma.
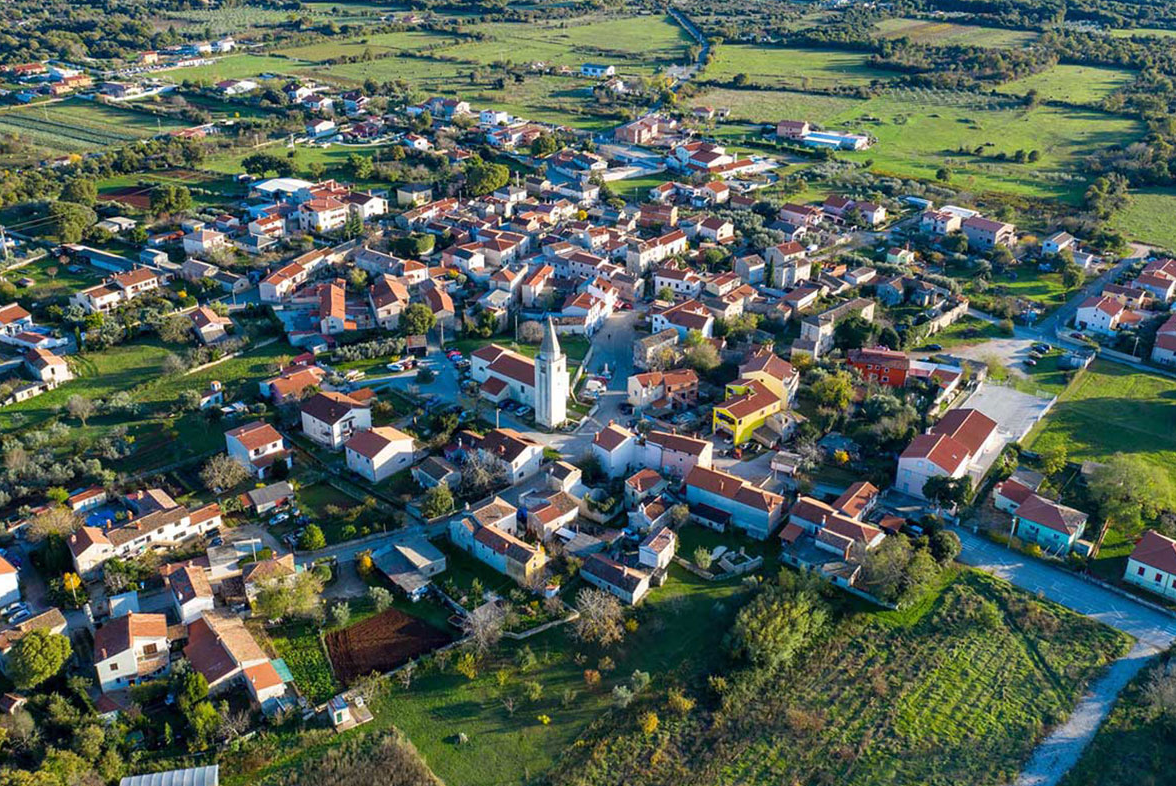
[[1144, 32], [1111, 408], [774, 66], [380, 644], [233, 67], [1074, 84], [78, 126], [1132, 747], [299, 645], [551, 99], [922, 31], [1147, 217]]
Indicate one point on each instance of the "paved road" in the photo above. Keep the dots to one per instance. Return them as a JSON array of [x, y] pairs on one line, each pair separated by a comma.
[[1154, 631]]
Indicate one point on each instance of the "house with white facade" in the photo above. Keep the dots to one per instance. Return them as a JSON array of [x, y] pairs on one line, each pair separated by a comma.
[[331, 418], [257, 446], [379, 452], [130, 649]]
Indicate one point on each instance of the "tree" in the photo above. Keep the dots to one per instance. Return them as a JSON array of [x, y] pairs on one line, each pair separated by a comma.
[[176, 329], [945, 546], [312, 538], [703, 357], [483, 177], [417, 319], [665, 293], [601, 617], [173, 364], [82, 190], [1072, 276], [544, 145], [361, 165], [1160, 693], [340, 614], [741, 79], [680, 514], [437, 501], [1054, 458], [947, 491], [56, 521], [772, 629], [530, 332], [648, 722], [467, 665], [1127, 489], [834, 391], [381, 598], [167, 199], [353, 226], [37, 656], [702, 557], [69, 220], [852, 332], [222, 472], [299, 597], [484, 626]]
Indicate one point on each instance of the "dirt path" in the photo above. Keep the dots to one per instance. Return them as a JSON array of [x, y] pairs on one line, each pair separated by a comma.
[[1061, 750]]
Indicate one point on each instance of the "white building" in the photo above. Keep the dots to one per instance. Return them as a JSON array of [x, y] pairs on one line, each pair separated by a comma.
[[378, 453], [9, 583], [949, 449], [331, 419], [130, 649], [190, 592], [256, 446], [1152, 564]]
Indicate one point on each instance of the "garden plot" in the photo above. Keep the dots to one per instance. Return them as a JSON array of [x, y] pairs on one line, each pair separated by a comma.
[[380, 644]]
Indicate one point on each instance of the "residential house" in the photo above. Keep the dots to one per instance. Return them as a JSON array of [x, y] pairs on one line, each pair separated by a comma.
[[947, 449], [47, 367], [9, 583], [209, 326], [130, 649], [257, 446], [225, 652], [190, 592], [615, 447], [656, 551], [155, 520], [628, 584], [379, 453], [749, 508], [331, 418], [984, 233], [488, 533], [674, 454], [1099, 314], [676, 389], [1152, 564], [1051, 525], [518, 455], [434, 471], [263, 500]]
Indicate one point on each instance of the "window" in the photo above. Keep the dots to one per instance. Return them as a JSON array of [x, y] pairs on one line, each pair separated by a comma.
[[1141, 571], [114, 667], [150, 649], [1159, 577]]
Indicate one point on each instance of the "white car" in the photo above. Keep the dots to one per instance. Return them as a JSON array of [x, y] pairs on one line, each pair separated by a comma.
[[395, 367], [278, 519]]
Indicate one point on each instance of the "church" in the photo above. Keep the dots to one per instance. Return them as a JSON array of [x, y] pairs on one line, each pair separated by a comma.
[[541, 383]]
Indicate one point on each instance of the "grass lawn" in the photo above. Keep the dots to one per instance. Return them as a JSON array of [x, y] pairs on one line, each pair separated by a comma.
[[1029, 282], [61, 284], [777, 66], [693, 536], [922, 31], [1112, 408], [1075, 84], [768, 106], [637, 188], [966, 332], [1146, 218], [553, 99], [1133, 746], [675, 639], [74, 125]]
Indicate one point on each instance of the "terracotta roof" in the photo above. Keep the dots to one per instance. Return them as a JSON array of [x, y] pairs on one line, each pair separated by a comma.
[[218, 643], [732, 488], [506, 443], [255, 435], [331, 407], [1013, 491], [856, 499], [946, 453], [13, 312], [969, 426], [262, 676], [1156, 551], [1051, 515], [85, 537], [643, 480], [811, 510], [119, 634], [612, 437], [370, 443], [6, 567], [273, 568], [189, 583], [677, 442], [506, 544]]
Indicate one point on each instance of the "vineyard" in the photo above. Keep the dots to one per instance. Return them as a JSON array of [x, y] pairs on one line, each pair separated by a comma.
[[74, 126]]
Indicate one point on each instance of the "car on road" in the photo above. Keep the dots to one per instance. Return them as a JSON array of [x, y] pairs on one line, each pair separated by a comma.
[[13, 607], [218, 541], [462, 364], [1078, 335], [626, 408], [934, 347], [395, 367]]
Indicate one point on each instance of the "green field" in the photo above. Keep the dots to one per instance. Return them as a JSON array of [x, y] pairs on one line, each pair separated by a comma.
[[233, 67], [74, 125], [1147, 217], [922, 31], [1147, 32], [774, 66], [1109, 409], [1075, 84], [552, 99], [768, 106], [381, 43], [917, 141]]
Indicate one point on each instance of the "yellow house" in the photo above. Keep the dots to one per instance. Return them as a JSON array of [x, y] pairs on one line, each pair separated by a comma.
[[749, 403], [773, 371]]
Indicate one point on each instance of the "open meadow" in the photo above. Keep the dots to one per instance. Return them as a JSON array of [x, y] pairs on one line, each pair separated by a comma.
[[1075, 84], [777, 66], [1148, 217], [941, 33]]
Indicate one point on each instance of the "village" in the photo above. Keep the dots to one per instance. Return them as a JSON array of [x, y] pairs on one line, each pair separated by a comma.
[[391, 427]]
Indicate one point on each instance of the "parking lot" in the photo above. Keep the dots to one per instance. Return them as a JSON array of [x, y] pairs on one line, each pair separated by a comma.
[[1014, 412]]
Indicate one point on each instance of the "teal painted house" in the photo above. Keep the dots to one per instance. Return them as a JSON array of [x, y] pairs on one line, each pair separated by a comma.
[[1056, 528]]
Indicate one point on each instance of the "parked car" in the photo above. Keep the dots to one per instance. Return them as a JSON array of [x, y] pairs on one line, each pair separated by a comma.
[[218, 541], [626, 408], [510, 405], [395, 367], [1042, 347], [523, 411], [20, 616], [934, 347], [13, 607], [278, 519], [462, 364], [1030, 362]]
